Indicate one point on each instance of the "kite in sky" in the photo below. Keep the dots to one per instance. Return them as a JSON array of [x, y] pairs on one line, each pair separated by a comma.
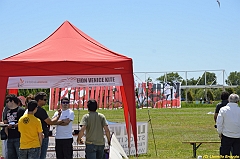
[[218, 3]]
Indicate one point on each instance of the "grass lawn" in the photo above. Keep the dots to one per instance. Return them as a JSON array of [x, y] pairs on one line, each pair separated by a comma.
[[171, 127]]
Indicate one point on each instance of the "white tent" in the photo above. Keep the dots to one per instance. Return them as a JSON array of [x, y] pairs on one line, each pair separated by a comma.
[[116, 150]]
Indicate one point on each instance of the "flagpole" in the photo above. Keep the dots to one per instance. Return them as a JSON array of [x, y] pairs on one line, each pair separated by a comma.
[[152, 132]]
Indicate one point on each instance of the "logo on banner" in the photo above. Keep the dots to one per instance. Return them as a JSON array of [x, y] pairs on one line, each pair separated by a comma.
[[69, 81], [21, 82]]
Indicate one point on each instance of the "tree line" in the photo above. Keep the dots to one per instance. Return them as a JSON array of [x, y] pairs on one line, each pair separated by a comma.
[[207, 78]]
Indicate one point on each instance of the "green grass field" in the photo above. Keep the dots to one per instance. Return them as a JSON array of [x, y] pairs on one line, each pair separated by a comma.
[[171, 127]]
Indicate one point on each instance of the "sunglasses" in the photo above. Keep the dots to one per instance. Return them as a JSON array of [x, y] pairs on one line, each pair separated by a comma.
[[7, 101], [65, 102], [45, 99]]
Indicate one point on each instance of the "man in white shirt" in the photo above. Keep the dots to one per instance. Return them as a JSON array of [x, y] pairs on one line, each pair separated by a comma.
[[228, 127], [64, 137]]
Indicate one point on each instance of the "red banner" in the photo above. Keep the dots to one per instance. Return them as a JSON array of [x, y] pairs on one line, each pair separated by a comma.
[[108, 97], [158, 95]]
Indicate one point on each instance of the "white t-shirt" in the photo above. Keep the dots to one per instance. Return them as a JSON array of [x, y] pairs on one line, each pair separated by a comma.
[[228, 120], [64, 132]]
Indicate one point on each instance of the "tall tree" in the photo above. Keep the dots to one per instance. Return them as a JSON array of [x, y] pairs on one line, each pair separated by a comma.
[[190, 96], [211, 79], [210, 95], [170, 77], [238, 90], [233, 78], [230, 90], [200, 93], [190, 81], [217, 93]]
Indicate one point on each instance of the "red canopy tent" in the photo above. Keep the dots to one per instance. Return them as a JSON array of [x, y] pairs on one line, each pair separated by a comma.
[[69, 51]]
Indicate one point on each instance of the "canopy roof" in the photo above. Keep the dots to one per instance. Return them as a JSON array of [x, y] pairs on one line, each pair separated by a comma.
[[68, 44], [69, 51]]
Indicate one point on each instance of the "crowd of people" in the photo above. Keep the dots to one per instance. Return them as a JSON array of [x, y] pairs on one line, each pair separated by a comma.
[[27, 129]]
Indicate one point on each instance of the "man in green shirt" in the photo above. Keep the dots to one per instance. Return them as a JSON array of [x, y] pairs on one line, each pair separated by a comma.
[[94, 123]]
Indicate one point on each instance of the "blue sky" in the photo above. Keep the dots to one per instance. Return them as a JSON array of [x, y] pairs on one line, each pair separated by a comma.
[[160, 35]]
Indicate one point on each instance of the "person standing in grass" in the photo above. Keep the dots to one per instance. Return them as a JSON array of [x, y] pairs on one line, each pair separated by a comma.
[[30, 129], [224, 101], [94, 123], [64, 137], [228, 127]]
